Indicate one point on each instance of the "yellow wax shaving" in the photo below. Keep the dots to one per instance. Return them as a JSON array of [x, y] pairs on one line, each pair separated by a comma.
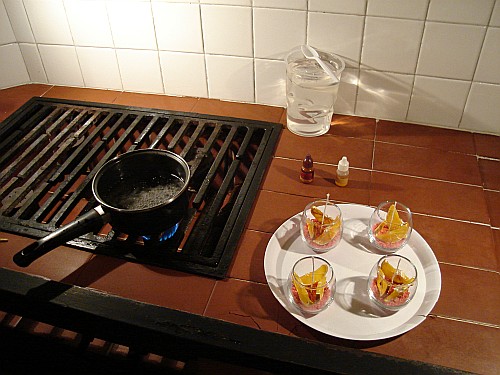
[[318, 215], [396, 228], [321, 235], [393, 219], [302, 292], [391, 274], [305, 282], [382, 284]]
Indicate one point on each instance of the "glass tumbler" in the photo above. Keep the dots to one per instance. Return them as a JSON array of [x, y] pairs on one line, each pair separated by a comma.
[[311, 284], [390, 226], [392, 282], [310, 92], [321, 225]]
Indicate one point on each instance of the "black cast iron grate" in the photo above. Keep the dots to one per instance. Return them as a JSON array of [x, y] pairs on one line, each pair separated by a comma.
[[50, 150]]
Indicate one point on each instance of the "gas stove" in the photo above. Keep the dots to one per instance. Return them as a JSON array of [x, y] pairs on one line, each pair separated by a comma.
[[52, 148]]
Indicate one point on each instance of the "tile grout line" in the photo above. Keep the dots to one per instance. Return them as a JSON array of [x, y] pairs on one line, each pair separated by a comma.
[[428, 148], [393, 173], [415, 213], [470, 267], [209, 299], [462, 320]]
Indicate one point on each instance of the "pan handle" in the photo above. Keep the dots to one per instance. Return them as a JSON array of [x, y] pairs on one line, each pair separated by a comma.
[[88, 222]]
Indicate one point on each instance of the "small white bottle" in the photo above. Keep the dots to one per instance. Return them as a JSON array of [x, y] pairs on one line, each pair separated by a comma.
[[342, 172]]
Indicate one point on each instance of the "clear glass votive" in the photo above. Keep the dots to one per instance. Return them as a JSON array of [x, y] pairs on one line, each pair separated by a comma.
[[311, 284], [392, 282], [321, 225], [390, 226]]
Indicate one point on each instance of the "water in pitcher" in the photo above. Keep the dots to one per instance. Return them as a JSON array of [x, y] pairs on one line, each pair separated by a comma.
[[311, 94]]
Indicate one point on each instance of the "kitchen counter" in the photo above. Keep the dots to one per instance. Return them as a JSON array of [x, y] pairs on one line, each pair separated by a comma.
[[449, 178]]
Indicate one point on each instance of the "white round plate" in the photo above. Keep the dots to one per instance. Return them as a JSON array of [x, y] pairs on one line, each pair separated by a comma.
[[352, 315]]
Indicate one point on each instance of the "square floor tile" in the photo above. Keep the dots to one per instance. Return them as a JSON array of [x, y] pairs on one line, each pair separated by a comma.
[[425, 136], [487, 145], [453, 241], [172, 103], [239, 110], [272, 209], [444, 199], [159, 286], [327, 149], [353, 126], [283, 177], [493, 202], [490, 172], [485, 303], [76, 93], [15, 97], [424, 162], [249, 257], [60, 264], [475, 342], [245, 303]]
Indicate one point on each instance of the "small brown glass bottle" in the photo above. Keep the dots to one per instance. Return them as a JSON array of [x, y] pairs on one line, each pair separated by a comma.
[[307, 170]]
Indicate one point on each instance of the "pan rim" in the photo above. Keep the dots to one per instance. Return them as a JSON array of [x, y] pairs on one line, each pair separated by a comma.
[[112, 162]]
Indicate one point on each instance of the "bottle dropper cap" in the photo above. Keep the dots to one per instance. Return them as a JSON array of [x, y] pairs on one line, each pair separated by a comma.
[[308, 162], [343, 164]]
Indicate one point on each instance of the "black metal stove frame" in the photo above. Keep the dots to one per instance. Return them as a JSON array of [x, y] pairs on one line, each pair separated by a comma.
[[183, 336], [50, 149]]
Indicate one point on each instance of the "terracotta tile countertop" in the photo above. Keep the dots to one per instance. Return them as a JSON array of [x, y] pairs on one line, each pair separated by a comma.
[[450, 179]]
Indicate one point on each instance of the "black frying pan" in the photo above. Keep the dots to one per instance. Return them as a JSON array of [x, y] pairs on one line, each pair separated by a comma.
[[142, 192]]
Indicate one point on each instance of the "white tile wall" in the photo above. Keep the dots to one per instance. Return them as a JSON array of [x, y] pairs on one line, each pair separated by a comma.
[[383, 95], [450, 50], [99, 67], [227, 2], [412, 9], [270, 82], [339, 6], [341, 33], [178, 27], [33, 62], [140, 70], [184, 74], [482, 110], [285, 4], [495, 17], [61, 65], [227, 30], [346, 99], [48, 21], [488, 67], [230, 78], [277, 31], [435, 62], [438, 101], [475, 12], [391, 44], [89, 23], [12, 66], [19, 21], [6, 33], [131, 24]]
